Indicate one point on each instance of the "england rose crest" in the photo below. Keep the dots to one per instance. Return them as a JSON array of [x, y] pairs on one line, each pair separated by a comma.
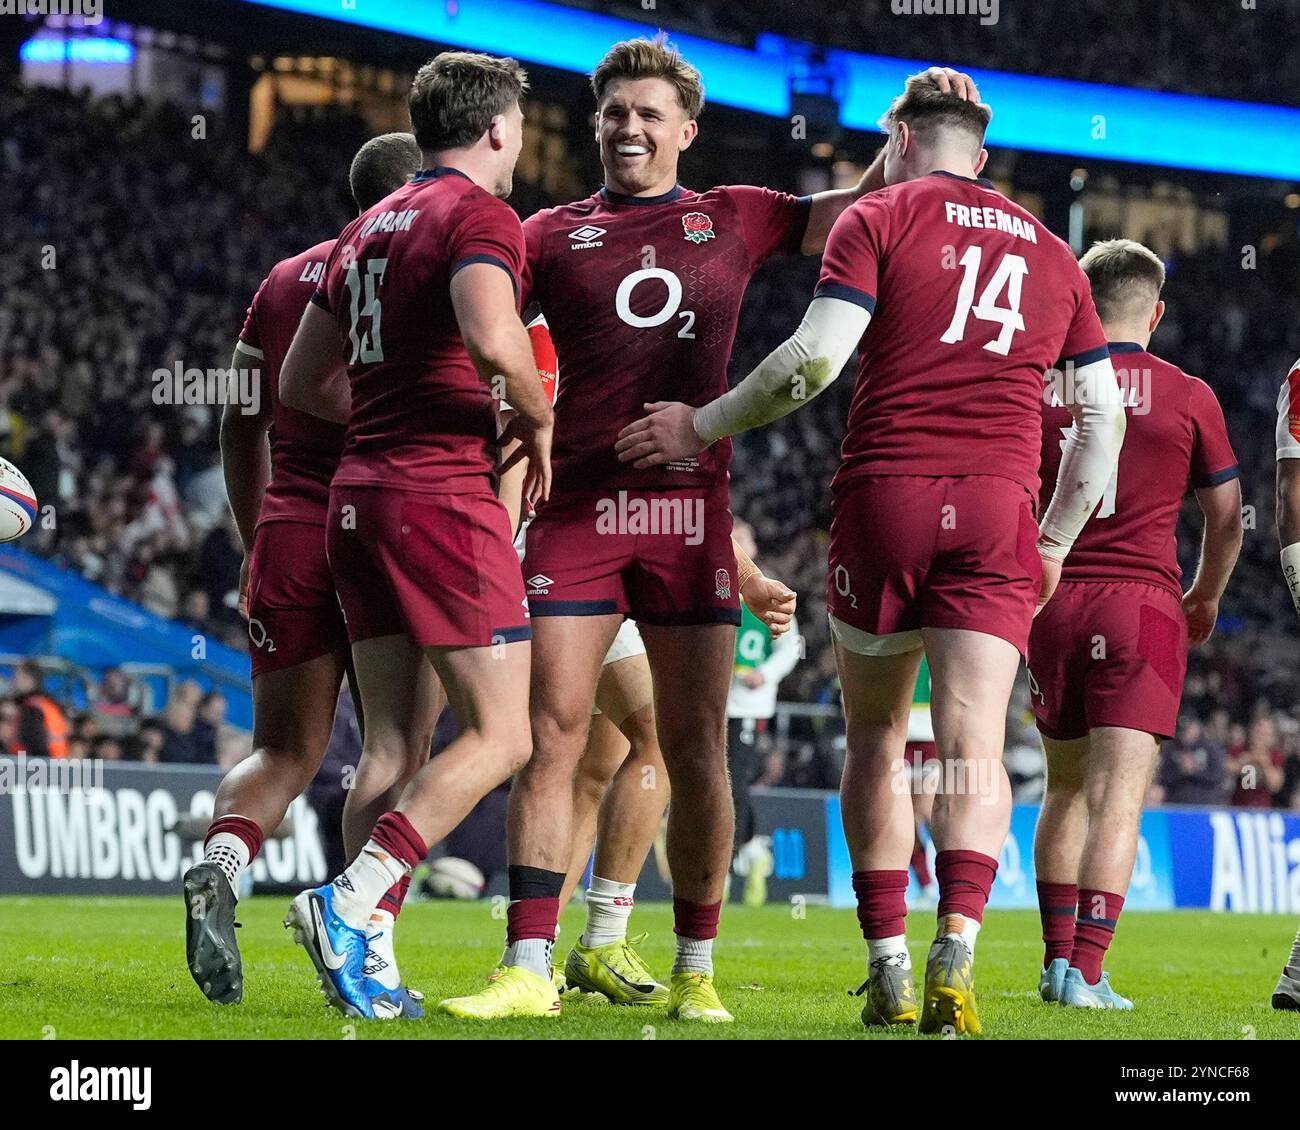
[[722, 579], [698, 227]]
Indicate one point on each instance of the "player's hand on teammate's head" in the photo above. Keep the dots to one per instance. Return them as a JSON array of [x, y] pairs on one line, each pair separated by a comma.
[[667, 433], [771, 602], [1202, 613], [950, 81]]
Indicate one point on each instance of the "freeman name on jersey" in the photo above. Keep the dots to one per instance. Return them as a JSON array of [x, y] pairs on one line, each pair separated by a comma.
[[992, 218]]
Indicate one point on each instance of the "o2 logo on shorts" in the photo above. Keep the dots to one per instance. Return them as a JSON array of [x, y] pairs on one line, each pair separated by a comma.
[[722, 584], [255, 629]]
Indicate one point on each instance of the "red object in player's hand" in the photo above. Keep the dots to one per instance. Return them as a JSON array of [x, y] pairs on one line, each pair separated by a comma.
[[667, 433]]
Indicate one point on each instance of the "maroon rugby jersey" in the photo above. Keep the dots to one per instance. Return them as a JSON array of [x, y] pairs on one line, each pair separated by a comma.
[[304, 449], [642, 295], [421, 419], [1176, 439], [972, 300]]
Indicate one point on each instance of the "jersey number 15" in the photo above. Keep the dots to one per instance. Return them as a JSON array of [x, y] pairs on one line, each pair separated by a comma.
[[367, 346]]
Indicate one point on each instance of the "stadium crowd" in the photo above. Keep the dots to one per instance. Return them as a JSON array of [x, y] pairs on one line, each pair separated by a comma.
[[138, 244], [1232, 50]]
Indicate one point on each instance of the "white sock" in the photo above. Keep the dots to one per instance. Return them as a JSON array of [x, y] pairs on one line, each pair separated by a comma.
[[968, 933], [381, 960], [694, 955], [534, 954], [609, 906], [230, 853], [358, 890], [1293, 962], [891, 951]]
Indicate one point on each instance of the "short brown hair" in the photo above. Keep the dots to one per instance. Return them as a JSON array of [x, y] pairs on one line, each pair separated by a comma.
[[1121, 273], [922, 105], [381, 166], [651, 58], [456, 95]]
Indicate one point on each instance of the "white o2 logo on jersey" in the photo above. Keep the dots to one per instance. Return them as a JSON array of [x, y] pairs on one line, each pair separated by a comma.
[[623, 302], [255, 629]]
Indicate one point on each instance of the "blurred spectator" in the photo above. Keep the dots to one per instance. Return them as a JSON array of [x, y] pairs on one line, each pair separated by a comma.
[[43, 729], [1192, 767], [211, 715], [148, 744], [1258, 767], [180, 745]]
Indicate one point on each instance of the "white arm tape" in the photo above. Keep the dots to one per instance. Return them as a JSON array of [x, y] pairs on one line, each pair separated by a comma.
[[1291, 572], [1091, 451], [790, 375]]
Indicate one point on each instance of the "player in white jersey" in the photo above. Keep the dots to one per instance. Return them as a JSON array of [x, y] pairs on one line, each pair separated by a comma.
[[1287, 993]]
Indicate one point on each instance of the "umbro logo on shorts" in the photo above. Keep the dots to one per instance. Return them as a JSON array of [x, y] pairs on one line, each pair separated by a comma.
[[587, 236], [539, 585]]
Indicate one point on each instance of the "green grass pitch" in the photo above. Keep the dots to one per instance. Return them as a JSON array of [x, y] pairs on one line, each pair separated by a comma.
[[100, 968]]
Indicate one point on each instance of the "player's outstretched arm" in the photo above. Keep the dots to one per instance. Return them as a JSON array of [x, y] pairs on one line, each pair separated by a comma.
[[786, 379], [484, 300], [1221, 505], [827, 206], [1087, 463], [1288, 524], [246, 461], [313, 378]]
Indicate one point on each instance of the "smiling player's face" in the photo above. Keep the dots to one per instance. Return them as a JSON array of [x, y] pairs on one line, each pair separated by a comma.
[[641, 128]]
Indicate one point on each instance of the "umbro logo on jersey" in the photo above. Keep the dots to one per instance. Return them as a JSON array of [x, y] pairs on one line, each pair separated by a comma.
[[539, 585], [587, 236]]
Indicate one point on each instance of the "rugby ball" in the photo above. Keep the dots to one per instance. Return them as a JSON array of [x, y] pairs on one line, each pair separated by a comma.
[[17, 503], [452, 878]]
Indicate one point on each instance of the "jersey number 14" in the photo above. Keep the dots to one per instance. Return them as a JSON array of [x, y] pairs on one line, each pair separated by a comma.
[[1009, 276]]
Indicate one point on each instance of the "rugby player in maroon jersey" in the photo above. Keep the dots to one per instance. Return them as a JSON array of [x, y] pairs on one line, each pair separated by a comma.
[[960, 300], [1108, 654], [641, 284], [279, 495], [412, 339]]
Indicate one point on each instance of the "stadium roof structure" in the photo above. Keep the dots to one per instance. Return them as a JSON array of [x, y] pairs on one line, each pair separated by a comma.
[[1087, 120]]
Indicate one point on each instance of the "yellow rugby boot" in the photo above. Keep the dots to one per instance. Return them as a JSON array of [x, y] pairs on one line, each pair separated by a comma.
[[616, 971], [512, 991], [692, 996]]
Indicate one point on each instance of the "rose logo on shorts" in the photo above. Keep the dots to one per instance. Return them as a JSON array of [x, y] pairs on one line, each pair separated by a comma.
[[698, 227], [722, 584]]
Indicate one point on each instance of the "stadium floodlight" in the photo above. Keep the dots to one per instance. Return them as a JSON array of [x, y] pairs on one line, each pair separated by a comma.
[[1114, 123], [79, 49]]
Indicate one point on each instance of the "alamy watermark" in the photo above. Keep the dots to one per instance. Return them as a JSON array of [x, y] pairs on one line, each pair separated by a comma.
[[987, 10], [50, 775], [179, 385], [681, 517], [953, 776], [1071, 385], [90, 11]]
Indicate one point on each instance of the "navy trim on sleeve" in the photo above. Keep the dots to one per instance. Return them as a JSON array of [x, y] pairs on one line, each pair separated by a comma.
[[800, 227], [465, 262], [319, 298], [847, 294], [1224, 476], [1101, 353]]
